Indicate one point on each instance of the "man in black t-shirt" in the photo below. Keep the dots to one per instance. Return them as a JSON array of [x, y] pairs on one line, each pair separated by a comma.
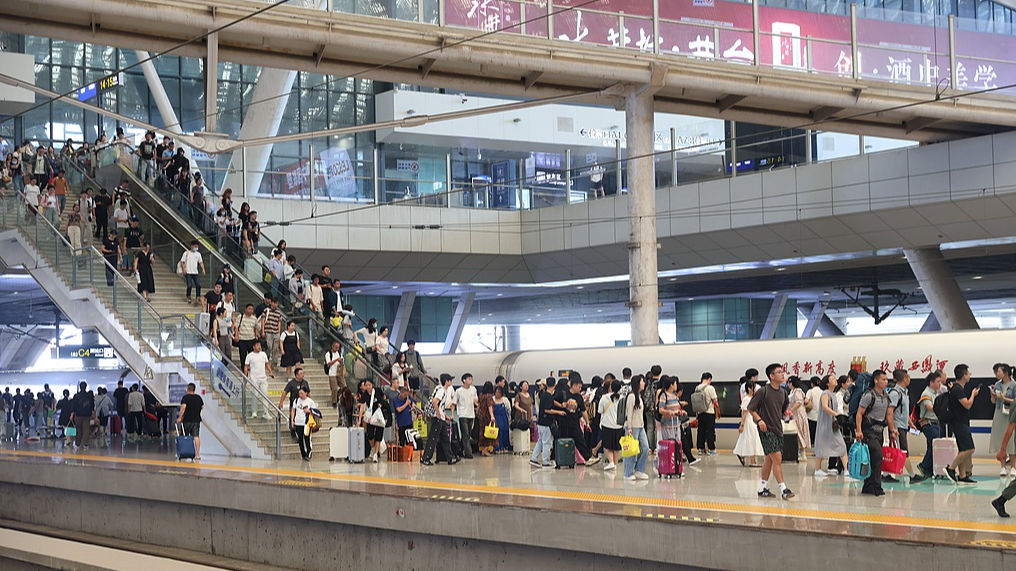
[[190, 417], [120, 397], [146, 155], [544, 421], [959, 406], [212, 299], [134, 234], [103, 202], [110, 250], [574, 407], [293, 390]]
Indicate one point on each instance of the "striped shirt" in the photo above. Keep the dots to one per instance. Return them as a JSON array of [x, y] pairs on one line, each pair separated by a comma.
[[271, 321]]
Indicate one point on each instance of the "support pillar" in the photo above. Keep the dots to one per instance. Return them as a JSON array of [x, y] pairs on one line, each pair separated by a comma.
[[775, 313], [931, 324], [513, 338], [271, 95], [815, 317], [940, 287], [451, 344], [642, 246], [402, 318], [212, 83], [158, 91]]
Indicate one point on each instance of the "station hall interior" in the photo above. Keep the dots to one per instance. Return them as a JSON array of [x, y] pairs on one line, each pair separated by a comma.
[[507, 192]]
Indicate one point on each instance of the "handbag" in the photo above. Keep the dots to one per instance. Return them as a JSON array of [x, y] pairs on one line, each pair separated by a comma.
[[382, 447], [519, 425], [490, 432], [893, 458], [377, 418], [70, 431], [629, 446]]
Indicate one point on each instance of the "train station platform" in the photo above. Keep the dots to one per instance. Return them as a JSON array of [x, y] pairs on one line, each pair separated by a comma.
[[497, 513]]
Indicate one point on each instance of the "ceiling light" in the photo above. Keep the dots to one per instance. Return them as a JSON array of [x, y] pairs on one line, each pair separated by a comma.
[[599, 311], [581, 287], [775, 292], [966, 289], [357, 291], [500, 294], [977, 277], [539, 315], [673, 279], [395, 287], [549, 310], [691, 299], [455, 283], [490, 315], [781, 269], [1004, 302]]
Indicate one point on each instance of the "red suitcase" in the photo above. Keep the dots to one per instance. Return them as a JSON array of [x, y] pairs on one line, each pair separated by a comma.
[[668, 455], [115, 426]]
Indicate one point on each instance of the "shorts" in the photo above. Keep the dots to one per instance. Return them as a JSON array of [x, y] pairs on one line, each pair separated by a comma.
[[192, 429], [375, 433], [903, 439], [414, 383], [771, 442], [961, 432], [611, 438]]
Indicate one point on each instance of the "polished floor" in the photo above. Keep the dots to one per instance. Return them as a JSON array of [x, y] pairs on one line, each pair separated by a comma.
[[716, 491]]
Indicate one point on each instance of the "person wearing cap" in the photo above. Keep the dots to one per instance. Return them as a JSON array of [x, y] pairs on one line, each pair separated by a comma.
[[415, 362], [226, 279]]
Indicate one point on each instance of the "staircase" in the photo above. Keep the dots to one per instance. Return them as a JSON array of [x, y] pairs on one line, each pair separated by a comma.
[[162, 336], [159, 218]]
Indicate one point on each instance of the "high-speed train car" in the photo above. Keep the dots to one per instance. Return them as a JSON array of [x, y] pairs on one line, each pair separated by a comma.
[[919, 353]]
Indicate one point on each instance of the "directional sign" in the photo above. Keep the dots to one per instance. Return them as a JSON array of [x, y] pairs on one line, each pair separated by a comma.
[[105, 84], [86, 352]]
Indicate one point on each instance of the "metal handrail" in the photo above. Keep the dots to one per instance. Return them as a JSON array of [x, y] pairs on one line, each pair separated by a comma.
[[241, 277]]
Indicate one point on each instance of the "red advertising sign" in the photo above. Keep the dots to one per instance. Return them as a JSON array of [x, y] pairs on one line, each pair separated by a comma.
[[789, 39]]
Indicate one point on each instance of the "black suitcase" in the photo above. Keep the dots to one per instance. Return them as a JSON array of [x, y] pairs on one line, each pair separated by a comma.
[[790, 448], [152, 427]]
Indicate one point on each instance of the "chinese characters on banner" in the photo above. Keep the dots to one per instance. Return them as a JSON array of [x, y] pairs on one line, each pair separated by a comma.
[[818, 368], [789, 39], [334, 176]]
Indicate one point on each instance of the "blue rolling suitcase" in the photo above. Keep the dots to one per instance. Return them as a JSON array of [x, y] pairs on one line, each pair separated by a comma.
[[184, 445]]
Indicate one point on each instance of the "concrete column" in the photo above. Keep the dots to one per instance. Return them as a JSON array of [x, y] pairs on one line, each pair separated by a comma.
[[829, 328], [940, 287], [775, 313], [930, 324], [402, 318], [513, 338], [212, 83], [642, 245], [271, 95], [815, 317], [465, 304], [158, 91]]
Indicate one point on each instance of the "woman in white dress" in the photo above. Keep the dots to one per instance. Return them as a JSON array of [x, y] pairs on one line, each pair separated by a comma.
[[828, 440], [749, 445]]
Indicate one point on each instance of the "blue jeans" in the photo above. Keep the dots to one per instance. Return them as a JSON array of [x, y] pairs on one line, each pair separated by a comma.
[[931, 432], [637, 463], [544, 444], [193, 281]]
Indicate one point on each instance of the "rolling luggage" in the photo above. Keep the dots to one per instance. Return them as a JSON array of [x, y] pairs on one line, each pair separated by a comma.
[[564, 452], [184, 445], [357, 445], [338, 444], [944, 451], [790, 449], [668, 455], [152, 427], [520, 442], [115, 424]]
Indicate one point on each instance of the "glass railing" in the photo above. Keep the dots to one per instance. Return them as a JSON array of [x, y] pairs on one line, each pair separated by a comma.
[[252, 276], [165, 336]]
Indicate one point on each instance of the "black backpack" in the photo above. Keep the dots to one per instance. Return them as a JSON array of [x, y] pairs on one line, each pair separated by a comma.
[[943, 408], [622, 410]]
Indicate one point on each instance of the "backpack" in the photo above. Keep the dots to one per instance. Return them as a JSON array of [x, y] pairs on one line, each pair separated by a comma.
[[859, 461], [699, 403], [917, 415], [861, 386], [943, 408], [622, 411]]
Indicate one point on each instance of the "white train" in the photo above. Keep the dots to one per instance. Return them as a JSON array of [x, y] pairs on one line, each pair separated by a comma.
[[919, 353]]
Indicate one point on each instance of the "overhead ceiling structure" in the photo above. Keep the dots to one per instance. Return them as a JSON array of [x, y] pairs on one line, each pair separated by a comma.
[[23, 302], [342, 44]]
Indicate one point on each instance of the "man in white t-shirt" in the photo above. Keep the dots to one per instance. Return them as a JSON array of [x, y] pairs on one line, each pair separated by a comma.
[[32, 194], [707, 419], [258, 369], [814, 397], [227, 302], [465, 402], [190, 263]]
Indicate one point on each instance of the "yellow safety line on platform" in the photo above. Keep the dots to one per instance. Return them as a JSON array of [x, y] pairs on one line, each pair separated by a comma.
[[557, 494]]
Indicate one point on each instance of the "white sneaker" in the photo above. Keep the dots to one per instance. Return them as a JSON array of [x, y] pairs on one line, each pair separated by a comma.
[[1012, 472], [629, 478], [821, 473], [1003, 472], [641, 476], [610, 466], [592, 461]]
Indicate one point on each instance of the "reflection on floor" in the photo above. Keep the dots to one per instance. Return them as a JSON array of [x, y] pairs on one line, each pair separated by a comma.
[[717, 490]]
